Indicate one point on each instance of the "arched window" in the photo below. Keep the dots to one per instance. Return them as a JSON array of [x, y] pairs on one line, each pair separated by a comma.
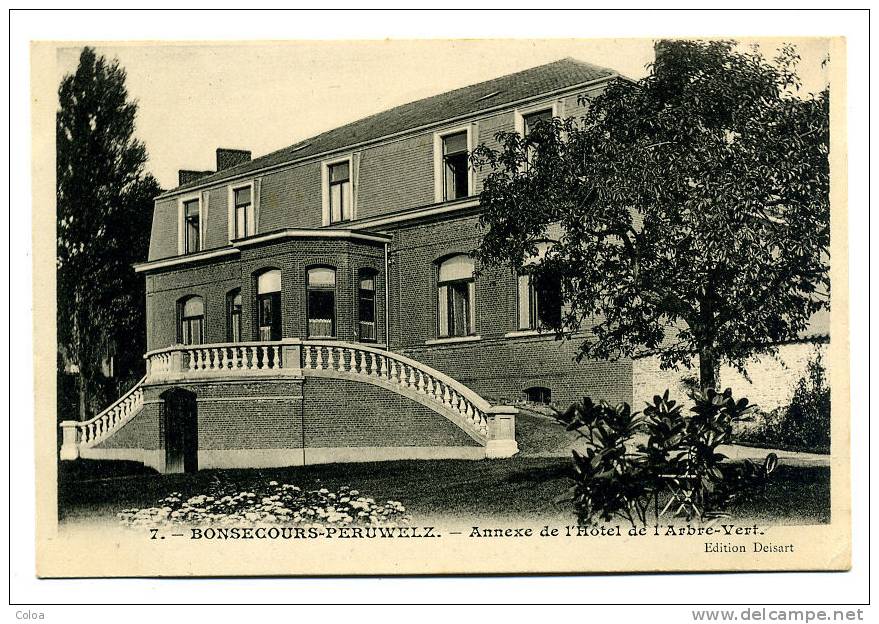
[[268, 305], [321, 307], [366, 305], [190, 321], [233, 316], [455, 297], [540, 301], [538, 394]]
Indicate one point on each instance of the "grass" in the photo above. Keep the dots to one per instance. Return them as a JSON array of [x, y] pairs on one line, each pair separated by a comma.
[[521, 488]]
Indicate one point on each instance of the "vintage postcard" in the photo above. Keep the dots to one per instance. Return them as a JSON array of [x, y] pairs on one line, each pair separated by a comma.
[[441, 306]]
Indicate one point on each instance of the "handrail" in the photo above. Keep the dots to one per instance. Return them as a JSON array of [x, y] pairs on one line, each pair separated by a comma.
[[218, 345], [466, 392], [118, 402]]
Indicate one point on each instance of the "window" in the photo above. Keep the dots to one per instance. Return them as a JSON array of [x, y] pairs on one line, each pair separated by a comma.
[[366, 306], [233, 316], [340, 192], [530, 120], [538, 394], [243, 208], [321, 306], [456, 172], [540, 301], [191, 227], [268, 305], [455, 297], [190, 323]]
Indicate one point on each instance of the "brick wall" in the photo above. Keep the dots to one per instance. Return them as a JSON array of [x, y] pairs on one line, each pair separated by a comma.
[[349, 413], [269, 414], [392, 176], [163, 236], [769, 384], [214, 280], [396, 176], [144, 431], [497, 366]]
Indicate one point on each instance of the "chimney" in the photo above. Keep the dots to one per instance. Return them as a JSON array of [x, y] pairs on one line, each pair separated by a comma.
[[227, 158], [185, 176]]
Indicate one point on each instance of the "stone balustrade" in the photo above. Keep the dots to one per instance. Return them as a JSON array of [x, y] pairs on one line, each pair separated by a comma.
[[76, 434], [491, 425]]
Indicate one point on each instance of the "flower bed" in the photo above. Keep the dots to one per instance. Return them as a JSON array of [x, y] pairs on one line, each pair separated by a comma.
[[278, 504]]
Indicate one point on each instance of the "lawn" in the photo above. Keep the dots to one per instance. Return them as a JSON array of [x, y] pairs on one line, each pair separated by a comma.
[[521, 488]]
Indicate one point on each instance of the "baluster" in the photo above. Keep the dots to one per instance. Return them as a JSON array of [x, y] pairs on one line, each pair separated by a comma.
[[253, 362], [233, 358], [412, 383], [383, 360], [374, 365], [437, 391], [447, 398], [191, 357], [277, 362], [307, 349], [225, 363], [421, 382], [429, 388], [320, 358], [215, 359], [393, 372]]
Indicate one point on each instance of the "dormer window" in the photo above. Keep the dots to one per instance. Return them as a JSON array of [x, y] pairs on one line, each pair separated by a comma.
[[453, 177], [339, 182], [455, 166], [531, 120], [191, 226], [340, 192], [243, 209], [243, 204]]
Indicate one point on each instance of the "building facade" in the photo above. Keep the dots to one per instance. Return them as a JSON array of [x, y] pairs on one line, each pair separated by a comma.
[[320, 303]]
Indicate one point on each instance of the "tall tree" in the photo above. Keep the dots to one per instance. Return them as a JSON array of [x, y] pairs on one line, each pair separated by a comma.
[[694, 206], [104, 210]]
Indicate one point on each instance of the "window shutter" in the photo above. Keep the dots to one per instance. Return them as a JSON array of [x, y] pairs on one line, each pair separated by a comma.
[[442, 311], [524, 302], [253, 228], [203, 218], [471, 304], [355, 180], [181, 229], [230, 211]]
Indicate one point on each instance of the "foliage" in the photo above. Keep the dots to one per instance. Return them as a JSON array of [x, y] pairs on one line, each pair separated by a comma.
[[610, 476], [620, 476], [693, 205], [804, 424], [104, 211]]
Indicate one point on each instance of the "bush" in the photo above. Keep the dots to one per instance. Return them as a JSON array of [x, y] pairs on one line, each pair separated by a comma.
[[804, 424], [621, 477]]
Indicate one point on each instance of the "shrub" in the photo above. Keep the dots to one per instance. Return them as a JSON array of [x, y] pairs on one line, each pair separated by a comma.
[[804, 424], [620, 477]]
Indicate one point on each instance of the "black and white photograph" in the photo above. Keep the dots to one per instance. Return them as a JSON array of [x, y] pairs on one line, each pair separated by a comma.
[[432, 306]]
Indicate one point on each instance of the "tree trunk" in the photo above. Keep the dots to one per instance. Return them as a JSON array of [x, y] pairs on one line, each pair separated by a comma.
[[83, 397], [709, 376]]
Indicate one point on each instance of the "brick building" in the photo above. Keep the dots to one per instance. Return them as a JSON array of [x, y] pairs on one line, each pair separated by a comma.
[[319, 303]]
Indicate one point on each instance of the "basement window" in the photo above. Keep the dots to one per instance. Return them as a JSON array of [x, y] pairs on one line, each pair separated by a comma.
[[538, 394]]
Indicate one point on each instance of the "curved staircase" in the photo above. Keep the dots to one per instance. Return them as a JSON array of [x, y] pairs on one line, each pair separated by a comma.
[[491, 426], [80, 435]]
